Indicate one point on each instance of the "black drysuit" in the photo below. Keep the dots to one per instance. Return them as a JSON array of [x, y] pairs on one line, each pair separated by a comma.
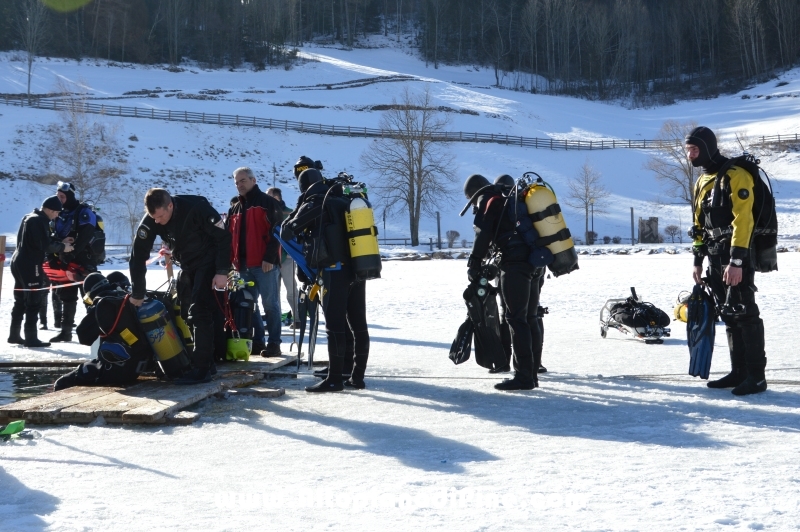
[[202, 247], [519, 280], [344, 299], [33, 243]]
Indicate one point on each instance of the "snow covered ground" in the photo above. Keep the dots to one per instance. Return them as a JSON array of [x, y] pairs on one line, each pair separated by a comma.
[[197, 158], [617, 437]]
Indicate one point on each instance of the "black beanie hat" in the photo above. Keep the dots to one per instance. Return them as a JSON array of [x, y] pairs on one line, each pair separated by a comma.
[[706, 141], [52, 203]]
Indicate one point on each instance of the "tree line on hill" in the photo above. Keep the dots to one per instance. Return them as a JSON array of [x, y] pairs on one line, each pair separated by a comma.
[[649, 51]]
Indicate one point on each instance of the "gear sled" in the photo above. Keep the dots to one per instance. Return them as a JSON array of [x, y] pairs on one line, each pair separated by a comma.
[[633, 316]]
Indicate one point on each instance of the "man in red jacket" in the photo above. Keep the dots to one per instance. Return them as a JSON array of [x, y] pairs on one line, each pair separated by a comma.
[[255, 254]]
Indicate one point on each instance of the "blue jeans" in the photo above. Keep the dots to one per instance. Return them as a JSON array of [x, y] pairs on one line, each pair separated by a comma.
[[266, 284]]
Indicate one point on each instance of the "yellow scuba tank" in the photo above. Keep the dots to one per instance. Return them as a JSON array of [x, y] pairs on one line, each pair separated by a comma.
[[362, 237], [163, 337], [183, 327], [681, 310], [545, 214]]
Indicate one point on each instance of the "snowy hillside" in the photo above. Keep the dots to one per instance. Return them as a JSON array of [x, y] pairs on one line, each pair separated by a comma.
[[198, 158]]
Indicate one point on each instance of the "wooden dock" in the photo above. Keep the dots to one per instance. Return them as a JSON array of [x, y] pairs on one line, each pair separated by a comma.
[[148, 401]]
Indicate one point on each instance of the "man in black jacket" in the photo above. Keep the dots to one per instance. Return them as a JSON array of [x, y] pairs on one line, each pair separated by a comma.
[[519, 279], [33, 242], [196, 234]]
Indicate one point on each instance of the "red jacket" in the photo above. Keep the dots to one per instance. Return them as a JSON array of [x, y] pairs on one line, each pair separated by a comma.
[[250, 221]]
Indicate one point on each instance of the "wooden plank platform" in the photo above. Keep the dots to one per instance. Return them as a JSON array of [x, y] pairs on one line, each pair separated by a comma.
[[146, 402], [262, 364]]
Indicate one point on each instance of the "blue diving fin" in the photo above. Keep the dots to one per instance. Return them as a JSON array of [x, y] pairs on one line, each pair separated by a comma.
[[700, 330]]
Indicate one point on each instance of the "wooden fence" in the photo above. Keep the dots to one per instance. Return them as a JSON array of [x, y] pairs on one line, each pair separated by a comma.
[[351, 131]]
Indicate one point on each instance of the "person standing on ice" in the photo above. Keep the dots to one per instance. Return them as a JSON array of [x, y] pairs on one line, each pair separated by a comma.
[[256, 255], [726, 218], [506, 184], [320, 225], [519, 279], [76, 222], [33, 242], [196, 235], [287, 263]]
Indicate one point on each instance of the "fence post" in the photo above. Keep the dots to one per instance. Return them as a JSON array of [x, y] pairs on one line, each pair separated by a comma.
[[169, 114], [431, 242], [237, 120], [254, 121], [152, 112], [218, 119]]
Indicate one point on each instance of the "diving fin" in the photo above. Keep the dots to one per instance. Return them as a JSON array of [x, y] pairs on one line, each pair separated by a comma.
[[700, 330], [462, 345], [12, 428]]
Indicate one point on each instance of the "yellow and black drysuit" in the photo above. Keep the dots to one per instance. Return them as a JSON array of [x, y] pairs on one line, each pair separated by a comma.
[[724, 227]]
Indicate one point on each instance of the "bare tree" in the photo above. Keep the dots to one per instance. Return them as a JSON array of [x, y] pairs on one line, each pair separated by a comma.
[[128, 210], [84, 150], [31, 22], [585, 192], [451, 237], [672, 231], [671, 165], [415, 171], [174, 13]]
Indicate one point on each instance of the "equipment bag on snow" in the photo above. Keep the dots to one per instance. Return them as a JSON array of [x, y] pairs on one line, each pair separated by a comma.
[[639, 315]]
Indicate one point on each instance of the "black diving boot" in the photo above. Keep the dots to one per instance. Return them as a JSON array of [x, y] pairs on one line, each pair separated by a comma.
[[14, 336], [67, 321], [356, 379], [738, 369], [756, 382], [31, 336], [333, 382]]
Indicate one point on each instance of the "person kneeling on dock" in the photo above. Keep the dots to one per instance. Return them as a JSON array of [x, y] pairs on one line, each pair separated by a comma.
[[123, 351]]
